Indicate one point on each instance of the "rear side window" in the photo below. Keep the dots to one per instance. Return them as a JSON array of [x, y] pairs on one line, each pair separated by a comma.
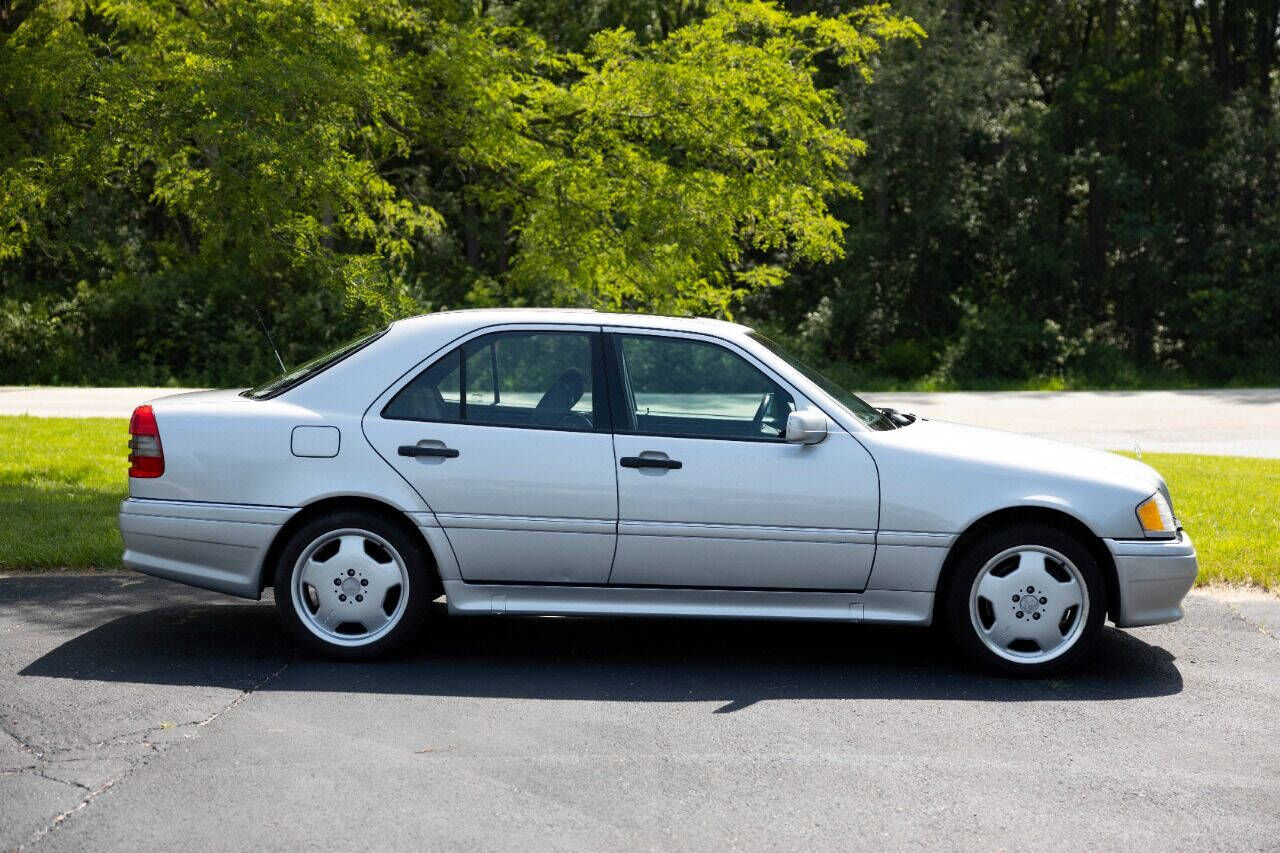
[[546, 380], [294, 378], [683, 387]]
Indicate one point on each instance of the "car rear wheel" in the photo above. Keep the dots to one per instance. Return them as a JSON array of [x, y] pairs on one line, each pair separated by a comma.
[[1028, 600], [352, 585]]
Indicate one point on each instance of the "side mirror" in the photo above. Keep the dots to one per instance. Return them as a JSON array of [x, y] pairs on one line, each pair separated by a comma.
[[807, 426]]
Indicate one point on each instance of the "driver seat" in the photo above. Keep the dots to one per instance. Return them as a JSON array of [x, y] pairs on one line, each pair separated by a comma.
[[555, 407]]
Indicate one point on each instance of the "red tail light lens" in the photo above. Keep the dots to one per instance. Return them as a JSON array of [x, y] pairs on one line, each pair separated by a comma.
[[146, 456]]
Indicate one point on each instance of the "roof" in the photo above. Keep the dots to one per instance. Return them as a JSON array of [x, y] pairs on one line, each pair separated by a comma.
[[477, 317]]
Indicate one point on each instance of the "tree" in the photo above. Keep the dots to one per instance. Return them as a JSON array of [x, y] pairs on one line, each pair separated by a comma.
[[283, 138], [671, 176]]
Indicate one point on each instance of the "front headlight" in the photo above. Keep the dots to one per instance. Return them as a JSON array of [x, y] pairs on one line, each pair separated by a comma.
[[1156, 518]]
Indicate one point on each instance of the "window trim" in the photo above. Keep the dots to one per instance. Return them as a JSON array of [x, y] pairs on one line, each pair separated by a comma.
[[458, 347], [626, 397]]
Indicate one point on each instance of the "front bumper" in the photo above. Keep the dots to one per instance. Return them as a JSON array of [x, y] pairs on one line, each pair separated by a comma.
[[1154, 576], [210, 545]]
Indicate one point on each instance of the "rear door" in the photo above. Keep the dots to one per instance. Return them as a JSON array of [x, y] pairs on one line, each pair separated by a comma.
[[507, 439], [709, 493]]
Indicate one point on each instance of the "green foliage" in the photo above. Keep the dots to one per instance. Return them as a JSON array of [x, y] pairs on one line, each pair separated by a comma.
[[653, 176], [265, 150], [176, 329], [1002, 343], [1034, 161], [248, 125], [1111, 169]]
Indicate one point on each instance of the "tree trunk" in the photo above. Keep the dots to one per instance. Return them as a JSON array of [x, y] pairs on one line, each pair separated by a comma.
[[471, 235], [503, 236]]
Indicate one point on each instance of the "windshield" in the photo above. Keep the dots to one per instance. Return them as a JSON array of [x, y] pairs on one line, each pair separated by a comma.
[[292, 378], [863, 411]]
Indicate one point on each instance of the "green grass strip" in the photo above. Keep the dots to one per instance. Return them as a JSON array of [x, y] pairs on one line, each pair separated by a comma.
[[1231, 508], [61, 483]]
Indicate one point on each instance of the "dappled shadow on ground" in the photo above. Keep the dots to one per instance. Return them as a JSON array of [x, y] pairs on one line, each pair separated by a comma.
[[734, 663]]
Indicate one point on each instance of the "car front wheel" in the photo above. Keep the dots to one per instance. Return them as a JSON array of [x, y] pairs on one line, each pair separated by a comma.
[[352, 586], [1027, 600]]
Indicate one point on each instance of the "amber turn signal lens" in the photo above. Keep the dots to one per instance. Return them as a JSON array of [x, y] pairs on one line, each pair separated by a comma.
[[1156, 517]]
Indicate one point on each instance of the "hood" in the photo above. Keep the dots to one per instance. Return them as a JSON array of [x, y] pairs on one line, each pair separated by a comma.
[[1011, 450], [1037, 454], [939, 476]]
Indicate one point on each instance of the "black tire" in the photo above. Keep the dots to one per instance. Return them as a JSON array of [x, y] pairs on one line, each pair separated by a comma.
[[960, 618], [416, 592]]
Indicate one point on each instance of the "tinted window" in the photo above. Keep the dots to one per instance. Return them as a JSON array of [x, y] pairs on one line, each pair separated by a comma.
[[530, 379], [685, 387]]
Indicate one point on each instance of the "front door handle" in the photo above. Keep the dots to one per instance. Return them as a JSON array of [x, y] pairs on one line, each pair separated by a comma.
[[419, 450], [649, 462]]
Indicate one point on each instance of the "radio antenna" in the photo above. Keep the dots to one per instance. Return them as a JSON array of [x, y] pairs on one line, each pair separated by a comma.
[[271, 341]]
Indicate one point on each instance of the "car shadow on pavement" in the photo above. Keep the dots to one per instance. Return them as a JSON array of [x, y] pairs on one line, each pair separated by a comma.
[[735, 663]]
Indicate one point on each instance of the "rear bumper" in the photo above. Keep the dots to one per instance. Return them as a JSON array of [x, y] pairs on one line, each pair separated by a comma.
[[1154, 578], [210, 545]]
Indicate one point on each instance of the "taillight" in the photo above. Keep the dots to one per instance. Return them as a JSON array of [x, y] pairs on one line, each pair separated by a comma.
[[146, 456]]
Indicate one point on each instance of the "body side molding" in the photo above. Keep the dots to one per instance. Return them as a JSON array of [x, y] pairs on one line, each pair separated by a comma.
[[902, 607]]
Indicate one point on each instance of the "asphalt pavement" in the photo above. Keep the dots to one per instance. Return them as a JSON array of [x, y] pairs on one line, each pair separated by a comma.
[[59, 402], [1226, 422], [1231, 422], [139, 714]]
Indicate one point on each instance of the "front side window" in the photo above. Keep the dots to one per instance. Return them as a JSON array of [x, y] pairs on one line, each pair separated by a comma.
[[684, 387], [525, 379]]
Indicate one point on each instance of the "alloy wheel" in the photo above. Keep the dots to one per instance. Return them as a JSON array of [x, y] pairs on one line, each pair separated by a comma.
[[1029, 604], [350, 587]]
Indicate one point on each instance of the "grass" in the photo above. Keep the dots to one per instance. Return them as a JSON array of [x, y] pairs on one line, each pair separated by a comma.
[[62, 479], [1231, 508], [61, 483]]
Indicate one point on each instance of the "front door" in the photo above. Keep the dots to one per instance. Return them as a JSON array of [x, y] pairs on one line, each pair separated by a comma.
[[507, 440], [709, 493]]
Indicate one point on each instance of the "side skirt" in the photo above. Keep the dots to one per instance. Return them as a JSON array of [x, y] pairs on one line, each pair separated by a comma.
[[883, 606]]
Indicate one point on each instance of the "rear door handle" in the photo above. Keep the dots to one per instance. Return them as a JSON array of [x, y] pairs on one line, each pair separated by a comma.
[[649, 462], [419, 450]]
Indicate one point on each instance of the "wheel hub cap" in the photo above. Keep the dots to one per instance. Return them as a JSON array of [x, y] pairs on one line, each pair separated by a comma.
[[1029, 604], [350, 587]]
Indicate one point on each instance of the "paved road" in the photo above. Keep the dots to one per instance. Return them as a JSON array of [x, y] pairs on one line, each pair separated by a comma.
[[1234, 422], [1228, 422], [143, 715], [77, 402]]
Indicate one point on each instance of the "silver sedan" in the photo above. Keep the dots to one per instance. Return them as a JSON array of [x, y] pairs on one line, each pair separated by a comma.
[[580, 463]]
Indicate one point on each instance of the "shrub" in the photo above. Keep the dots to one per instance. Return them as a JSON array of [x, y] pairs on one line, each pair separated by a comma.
[[999, 342], [168, 330]]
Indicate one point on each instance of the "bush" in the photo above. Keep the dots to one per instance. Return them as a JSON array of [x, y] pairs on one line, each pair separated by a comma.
[[999, 342], [168, 330], [907, 359]]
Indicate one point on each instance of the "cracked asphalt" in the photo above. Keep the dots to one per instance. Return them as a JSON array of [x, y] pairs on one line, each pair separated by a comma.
[[141, 714]]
